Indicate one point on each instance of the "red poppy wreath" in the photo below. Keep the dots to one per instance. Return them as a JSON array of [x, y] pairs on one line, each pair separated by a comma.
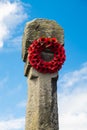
[[37, 62]]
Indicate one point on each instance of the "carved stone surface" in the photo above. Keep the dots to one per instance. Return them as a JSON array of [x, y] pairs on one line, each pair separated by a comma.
[[40, 28], [42, 111], [42, 108]]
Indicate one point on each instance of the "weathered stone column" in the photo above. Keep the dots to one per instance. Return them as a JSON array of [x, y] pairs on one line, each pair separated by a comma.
[[42, 108]]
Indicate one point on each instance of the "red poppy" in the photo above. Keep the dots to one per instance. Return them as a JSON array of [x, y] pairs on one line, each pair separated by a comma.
[[36, 61]]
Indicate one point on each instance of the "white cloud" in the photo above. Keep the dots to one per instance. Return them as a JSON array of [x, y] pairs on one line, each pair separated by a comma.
[[11, 15], [12, 124], [73, 100], [72, 78]]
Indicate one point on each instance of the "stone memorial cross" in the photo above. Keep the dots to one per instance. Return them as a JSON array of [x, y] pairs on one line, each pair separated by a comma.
[[42, 108]]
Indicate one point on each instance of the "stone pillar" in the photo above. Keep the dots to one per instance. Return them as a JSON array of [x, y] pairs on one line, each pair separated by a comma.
[[42, 108]]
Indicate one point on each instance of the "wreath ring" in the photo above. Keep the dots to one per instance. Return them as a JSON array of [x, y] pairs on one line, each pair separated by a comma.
[[37, 62]]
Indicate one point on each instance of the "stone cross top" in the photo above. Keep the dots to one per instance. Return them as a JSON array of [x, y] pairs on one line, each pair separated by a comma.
[[42, 108]]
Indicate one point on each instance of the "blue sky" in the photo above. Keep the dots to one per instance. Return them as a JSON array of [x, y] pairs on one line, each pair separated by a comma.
[[72, 88]]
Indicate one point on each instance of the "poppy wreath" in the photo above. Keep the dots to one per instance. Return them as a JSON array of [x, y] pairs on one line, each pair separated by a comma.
[[37, 62]]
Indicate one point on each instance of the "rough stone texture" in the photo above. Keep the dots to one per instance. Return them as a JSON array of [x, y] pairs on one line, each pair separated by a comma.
[[42, 111], [39, 28]]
